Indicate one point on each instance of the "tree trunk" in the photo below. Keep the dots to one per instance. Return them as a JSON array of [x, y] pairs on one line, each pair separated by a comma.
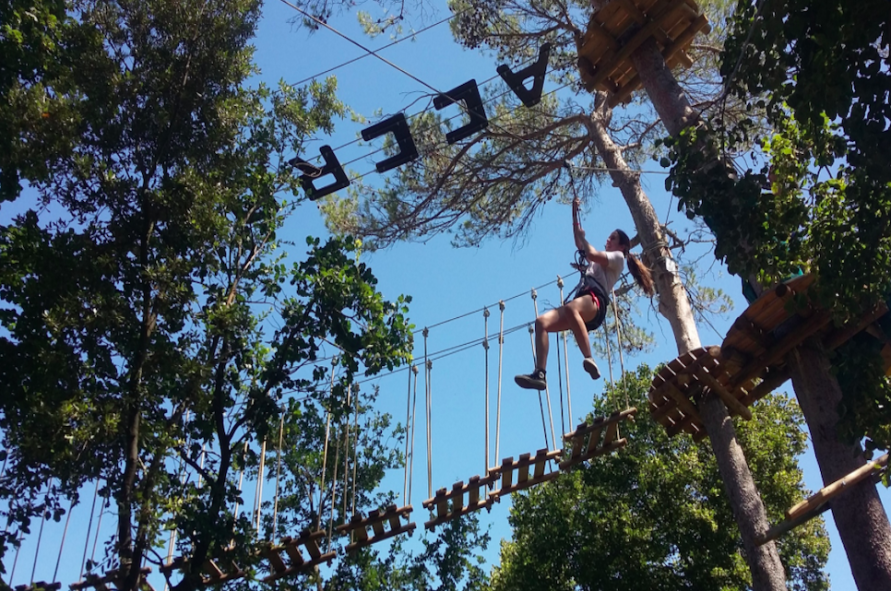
[[859, 516], [671, 103], [748, 510]]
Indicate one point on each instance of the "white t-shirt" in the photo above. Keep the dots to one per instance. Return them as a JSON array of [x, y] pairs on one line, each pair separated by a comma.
[[607, 277]]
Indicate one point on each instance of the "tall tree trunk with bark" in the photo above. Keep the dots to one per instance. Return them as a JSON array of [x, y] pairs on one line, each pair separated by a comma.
[[871, 560], [764, 561], [866, 535]]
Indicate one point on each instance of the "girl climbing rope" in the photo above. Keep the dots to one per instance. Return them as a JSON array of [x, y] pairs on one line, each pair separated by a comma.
[[587, 309]]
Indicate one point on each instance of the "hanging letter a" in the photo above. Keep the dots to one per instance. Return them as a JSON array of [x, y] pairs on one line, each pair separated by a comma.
[[399, 127], [312, 172], [468, 92], [537, 70]]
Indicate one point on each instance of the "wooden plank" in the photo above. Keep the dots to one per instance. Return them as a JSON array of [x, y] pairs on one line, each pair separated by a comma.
[[294, 554], [540, 461], [407, 528], [311, 546], [684, 403], [211, 568], [836, 487], [474, 492], [612, 433], [593, 453], [523, 468], [757, 366], [275, 560], [458, 496], [507, 472], [729, 399]]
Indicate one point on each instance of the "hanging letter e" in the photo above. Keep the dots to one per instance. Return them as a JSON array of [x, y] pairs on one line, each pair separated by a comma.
[[468, 92], [537, 70], [312, 172], [399, 128]]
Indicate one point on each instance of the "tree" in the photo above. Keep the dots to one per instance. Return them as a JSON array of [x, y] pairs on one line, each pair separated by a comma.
[[495, 182], [820, 203], [652, 515], [150, 318]]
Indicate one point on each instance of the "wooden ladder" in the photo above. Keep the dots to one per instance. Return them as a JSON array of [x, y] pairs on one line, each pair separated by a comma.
[[357, 528], [296, 563], [586, 440], [475, 502], [506, 472]]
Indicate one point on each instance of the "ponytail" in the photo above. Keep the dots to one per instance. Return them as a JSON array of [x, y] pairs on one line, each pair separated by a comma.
[[639, 271]]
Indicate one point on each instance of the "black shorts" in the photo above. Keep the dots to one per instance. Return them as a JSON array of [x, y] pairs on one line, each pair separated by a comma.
[[600, 299]]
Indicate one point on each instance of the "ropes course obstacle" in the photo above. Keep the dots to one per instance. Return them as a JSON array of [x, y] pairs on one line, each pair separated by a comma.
[[618, 29], [820, 501], [750, 363], [113, 577], [296, 563], [357, 528]]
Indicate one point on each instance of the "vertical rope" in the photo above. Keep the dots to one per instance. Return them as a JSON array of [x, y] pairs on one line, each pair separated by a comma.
[[240, 483], [430, 428], [547, 390], [62, 545], [619, 344], [428, 365], [325, 453], [486, 347], [407, 435], [258, 502], [355, 449], [346, 456], [96, 537], [334, 479], [83, 562], [278, 471], [414, 411], [498, 405], [566, 361], [49, 484], [543, 421]]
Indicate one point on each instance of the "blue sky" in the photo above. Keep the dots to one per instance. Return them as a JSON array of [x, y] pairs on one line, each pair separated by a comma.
[[446, 283]]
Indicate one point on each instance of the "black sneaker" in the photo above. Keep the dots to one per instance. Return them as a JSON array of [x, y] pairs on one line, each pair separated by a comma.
[[591, 368], [532, 381]]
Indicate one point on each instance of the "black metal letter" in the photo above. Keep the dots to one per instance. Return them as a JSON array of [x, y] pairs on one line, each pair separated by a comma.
[[537, 70], [399, 127], [468, 92], [312, 172]]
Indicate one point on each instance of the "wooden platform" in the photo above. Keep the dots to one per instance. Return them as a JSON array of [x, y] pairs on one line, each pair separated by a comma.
[[286, 558], [617, 30], [450, 503], [112, 578], [678, 387], [818, 502], [213, 571], [587, 442], [357, 528], [505, 472], [755, 348]]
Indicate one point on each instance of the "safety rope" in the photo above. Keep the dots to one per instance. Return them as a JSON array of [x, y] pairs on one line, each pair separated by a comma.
[[278, 471], [414, 412], [566, 360], [96, 537], [486, 347], [83, 562], [334, 478], [240, 484], [498, 405], [547, 390], [560, 389]]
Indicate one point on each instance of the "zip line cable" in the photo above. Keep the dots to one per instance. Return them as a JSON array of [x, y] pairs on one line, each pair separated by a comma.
[[387, 46]]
